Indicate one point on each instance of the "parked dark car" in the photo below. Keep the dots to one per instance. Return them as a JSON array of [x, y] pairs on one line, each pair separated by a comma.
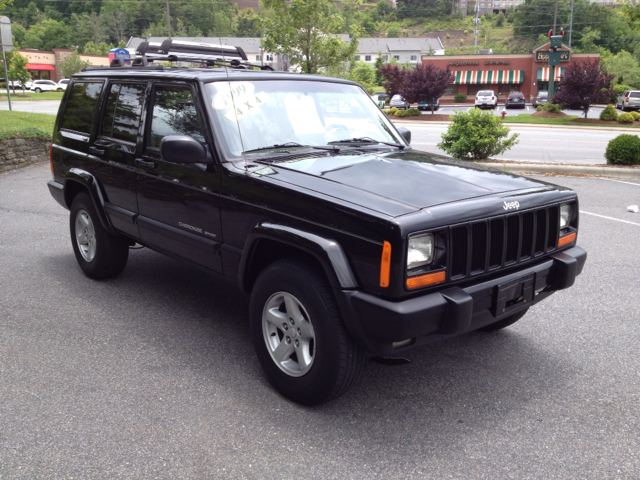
[[515, 99], [398, 101], [381, 95], [541, 97], [301, 191], [431, 105]]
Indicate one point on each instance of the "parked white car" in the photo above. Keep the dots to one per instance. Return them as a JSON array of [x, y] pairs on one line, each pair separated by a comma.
[[62, 84], [486, 98], [40, 86]]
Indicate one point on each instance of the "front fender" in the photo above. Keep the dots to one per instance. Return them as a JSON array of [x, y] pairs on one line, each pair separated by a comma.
[[328, 252], [80, 179]]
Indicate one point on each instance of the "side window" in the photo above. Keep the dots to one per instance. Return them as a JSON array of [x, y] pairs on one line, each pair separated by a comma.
[[174, 113], [123, 111], [80, 110]]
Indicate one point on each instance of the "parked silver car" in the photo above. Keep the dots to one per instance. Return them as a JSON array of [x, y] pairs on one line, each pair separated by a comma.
[[398, 101], [629, 100]]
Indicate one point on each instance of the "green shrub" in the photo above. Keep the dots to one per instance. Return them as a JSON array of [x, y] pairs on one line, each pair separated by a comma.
[[413, 112], [392, 111], [466, 31], [609, 113], [401, 113], [549, 107], [460, 98], [621, 88], [625, 118], [635, 115], [475, 135], [624, 150]]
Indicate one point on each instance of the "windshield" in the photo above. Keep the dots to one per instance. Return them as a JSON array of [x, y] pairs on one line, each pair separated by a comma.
[[284, 112]]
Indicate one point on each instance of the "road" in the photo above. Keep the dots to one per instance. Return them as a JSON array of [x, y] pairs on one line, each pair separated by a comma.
[[545, 145], [152, 375], [33, 106]]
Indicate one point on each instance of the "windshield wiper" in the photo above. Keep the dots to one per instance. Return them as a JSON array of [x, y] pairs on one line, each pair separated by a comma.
[[366, 140], [292, 145]]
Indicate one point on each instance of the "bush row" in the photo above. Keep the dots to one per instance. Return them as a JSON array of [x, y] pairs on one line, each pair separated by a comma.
[[610, 114], [402, 113]]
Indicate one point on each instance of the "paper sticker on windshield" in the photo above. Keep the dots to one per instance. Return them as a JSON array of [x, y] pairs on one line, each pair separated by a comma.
[[246, 106], [227, 94]]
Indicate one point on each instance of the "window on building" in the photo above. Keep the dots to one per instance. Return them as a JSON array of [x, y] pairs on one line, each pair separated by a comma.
[[258, 58], [414, 58], [367, 58], [397, 57], [385, 58], [269, 57], [357, 58]]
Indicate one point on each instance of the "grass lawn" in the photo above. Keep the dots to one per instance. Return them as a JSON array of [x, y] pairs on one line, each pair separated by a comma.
[[527, 118], [20, 121], [28, 96]]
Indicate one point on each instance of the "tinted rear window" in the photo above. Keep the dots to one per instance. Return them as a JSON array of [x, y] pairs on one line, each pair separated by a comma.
[[543, 94], [485, 93], [635, 94], [80, 110]]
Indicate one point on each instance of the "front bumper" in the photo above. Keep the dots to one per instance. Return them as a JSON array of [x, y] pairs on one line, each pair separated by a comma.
[[376, 324]]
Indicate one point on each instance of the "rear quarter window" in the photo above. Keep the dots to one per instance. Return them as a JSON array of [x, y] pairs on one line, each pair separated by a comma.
[[80, 110], [635, 94]]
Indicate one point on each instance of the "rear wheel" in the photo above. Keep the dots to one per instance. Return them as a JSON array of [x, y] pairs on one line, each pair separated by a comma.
[[38, 90], [299, 336], [505, 322], [99, 254]]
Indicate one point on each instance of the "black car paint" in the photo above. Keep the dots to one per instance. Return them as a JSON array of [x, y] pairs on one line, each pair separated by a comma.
[[225, 215]]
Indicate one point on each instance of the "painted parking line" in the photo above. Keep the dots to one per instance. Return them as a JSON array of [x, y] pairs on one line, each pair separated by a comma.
[[620, 181], [610, 218]]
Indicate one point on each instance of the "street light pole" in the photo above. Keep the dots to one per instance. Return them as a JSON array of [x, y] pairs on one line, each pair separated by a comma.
[[168, 20]]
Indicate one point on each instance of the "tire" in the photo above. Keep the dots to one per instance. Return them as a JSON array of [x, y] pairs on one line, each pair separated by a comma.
[[505, 322], [293, 304], [99, 254], [38, 90]]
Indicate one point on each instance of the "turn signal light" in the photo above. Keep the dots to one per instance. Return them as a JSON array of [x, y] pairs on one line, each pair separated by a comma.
[[428, 279], [562, 241], [385, 264]]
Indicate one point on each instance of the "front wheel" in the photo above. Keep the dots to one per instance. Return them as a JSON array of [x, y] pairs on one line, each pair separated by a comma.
[[99, 254], [38, 90], [299, 336]]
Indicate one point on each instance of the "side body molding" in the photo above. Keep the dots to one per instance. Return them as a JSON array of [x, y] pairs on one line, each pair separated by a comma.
[[84, 178], [328, 252]]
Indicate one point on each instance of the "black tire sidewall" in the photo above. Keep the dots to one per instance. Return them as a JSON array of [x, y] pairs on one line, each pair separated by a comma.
[[319, 384], [111, 251]]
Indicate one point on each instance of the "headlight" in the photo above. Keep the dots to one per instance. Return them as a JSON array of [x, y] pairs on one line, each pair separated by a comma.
[[565, 215], [420, 250]]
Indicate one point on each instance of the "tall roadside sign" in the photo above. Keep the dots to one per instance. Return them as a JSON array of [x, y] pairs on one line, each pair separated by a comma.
[[7, 45]]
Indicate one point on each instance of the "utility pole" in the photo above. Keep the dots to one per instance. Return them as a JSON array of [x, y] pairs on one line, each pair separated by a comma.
[[552, 68], [477, 21], [169, 18], [570, 23]]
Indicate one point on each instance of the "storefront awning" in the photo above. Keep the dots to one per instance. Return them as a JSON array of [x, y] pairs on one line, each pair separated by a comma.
[[466, 77], [39, 66], [543, 74]]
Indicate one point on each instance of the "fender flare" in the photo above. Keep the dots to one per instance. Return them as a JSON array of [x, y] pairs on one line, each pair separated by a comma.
[[93, 187], [327, 251]]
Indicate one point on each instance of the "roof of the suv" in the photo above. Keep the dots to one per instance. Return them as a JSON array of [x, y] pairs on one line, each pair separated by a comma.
[[203, 74]]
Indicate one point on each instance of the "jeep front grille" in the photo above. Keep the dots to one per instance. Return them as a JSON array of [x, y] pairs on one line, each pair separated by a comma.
[[491, 244]]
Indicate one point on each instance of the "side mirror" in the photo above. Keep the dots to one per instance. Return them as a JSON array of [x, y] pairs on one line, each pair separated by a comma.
[[183, 149], [406, 134]]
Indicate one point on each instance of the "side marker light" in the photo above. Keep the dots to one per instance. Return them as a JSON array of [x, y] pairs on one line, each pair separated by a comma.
[[385, 265]]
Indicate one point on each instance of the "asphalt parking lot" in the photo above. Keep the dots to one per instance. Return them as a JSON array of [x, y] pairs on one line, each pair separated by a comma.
[[594, 111], [152, 375]]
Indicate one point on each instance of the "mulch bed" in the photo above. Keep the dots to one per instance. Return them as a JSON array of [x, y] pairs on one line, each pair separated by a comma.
[[597, 121], [545, 114]]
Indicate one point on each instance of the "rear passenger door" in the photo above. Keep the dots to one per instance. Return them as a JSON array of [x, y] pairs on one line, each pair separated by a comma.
[[116, 146], [178, 203]]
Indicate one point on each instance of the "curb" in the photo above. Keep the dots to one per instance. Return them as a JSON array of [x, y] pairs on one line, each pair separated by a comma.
[[599, 170]]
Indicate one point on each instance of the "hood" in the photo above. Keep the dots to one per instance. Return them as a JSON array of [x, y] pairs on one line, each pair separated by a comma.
[[415, 179]]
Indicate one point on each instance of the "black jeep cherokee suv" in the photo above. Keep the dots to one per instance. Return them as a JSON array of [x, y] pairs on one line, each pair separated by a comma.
[[299, 189]]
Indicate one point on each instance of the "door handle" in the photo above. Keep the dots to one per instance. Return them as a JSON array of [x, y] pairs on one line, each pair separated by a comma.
[[97, 151], [143, 163]]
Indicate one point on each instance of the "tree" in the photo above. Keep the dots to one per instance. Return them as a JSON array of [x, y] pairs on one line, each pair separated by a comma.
[[377, 65], [364, 74], [425, 82], [71, 64], [625, 69], [48, 34], [102, 48], [17, 69], [393, 76], [583, 84], [306, 31], [475, 135]]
